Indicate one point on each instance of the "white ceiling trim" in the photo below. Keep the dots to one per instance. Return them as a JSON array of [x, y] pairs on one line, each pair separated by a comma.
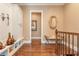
[[41, 4]]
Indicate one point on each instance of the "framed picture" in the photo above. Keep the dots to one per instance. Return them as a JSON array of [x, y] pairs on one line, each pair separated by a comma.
[[34, 25], [53, 22]]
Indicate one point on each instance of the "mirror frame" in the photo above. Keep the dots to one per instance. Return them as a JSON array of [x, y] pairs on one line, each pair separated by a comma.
[[50, 22]]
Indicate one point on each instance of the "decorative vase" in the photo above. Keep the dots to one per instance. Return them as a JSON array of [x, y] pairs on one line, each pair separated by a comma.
[[13, 40], [9, 40], [1, 45]]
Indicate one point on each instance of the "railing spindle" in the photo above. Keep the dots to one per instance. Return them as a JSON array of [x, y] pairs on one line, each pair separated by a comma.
[[77, 53], [65, 42], [73, 44], [69, 44]]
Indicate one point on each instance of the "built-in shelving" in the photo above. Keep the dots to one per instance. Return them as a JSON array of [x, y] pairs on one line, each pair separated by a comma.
[[11, 49]]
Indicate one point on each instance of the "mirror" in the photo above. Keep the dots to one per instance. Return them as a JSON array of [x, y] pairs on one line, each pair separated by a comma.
[[53, 22]]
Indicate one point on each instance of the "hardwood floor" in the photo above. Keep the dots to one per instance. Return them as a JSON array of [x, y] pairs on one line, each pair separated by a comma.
[[38, 49]]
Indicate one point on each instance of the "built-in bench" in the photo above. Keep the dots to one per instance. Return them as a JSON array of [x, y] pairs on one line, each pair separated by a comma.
[[11, 49]]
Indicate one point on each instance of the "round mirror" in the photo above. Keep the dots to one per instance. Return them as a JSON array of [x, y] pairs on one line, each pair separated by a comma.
[[53, 22]]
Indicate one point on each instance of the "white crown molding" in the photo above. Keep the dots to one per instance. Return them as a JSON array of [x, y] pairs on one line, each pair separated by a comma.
[[40, 4]]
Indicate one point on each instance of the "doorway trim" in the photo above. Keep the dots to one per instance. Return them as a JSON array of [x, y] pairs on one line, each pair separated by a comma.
[[41, 11]]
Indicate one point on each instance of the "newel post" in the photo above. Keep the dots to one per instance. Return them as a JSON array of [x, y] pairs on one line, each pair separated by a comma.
[[56, 50]]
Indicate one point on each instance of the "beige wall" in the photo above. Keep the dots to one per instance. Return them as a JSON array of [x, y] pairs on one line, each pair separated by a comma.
[[71, 17], [48, 11], [37, 17]]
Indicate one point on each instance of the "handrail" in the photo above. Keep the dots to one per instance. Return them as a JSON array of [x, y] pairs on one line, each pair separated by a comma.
[[67, 32]]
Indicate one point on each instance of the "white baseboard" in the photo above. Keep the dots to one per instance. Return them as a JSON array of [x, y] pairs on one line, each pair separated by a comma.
[[28, 42], [36, 37], [50, 42], [43, 42]]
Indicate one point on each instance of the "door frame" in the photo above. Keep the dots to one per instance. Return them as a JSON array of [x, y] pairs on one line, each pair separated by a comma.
[[41, 11]]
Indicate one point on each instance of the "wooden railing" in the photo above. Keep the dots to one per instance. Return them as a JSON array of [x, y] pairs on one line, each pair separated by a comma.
[[66, 43]]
